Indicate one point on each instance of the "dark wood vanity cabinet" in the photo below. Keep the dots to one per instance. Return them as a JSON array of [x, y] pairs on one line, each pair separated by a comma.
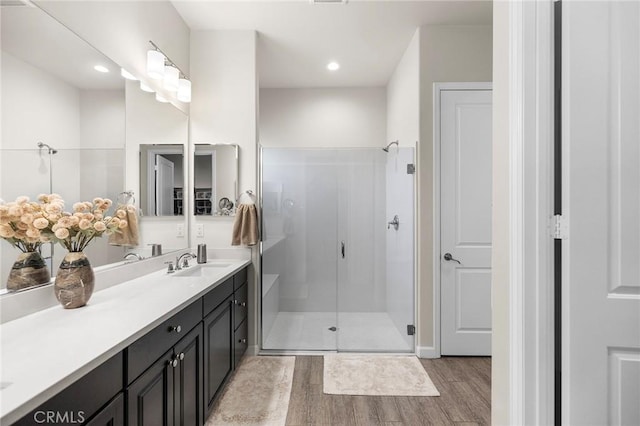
[[171, 376], [85, 400], [169, 392], [111, 415], [218, 343]]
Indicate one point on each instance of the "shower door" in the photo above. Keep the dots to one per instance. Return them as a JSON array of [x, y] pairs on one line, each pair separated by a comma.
[[325, 259]]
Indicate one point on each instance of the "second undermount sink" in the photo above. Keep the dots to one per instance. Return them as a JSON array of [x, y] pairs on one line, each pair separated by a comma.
[[201, 270]]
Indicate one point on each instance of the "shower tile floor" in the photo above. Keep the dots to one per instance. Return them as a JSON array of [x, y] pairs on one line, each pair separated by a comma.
[[357, 331]]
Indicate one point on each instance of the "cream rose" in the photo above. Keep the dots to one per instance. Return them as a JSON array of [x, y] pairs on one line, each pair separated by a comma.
[[40, 223], [62, 233], [99, 226]]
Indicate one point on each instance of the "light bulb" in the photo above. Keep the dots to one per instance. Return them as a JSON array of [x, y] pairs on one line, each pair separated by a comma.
[[171, 75], [184, 90], [155, 64]]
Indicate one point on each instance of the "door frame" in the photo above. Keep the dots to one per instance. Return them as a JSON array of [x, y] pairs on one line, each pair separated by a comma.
[[438, 88], [523, 68]]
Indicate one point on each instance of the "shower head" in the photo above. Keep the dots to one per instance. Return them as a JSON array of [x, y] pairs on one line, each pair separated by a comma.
[[49, 148], [386, 148]]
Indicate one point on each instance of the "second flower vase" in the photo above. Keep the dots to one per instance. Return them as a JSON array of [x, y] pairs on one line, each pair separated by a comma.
[[74, 281]]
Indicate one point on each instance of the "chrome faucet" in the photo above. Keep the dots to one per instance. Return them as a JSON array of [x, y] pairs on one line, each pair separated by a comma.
[[136, 255], [184, 258]]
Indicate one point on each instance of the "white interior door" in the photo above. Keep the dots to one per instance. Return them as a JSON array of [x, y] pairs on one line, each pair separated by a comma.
[[164, 186], [601, 206], [465, 222]]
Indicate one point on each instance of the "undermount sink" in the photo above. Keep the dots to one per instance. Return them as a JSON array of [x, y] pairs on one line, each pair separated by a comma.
[[201, 270]]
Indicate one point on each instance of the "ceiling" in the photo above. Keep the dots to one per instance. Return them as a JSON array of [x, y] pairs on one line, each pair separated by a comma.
[[36, 38], [297, 38]]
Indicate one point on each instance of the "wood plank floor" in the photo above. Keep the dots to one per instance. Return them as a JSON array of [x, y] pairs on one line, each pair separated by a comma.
[[464, 384]]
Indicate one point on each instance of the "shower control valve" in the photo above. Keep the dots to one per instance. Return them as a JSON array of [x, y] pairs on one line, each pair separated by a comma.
[[395, 223]]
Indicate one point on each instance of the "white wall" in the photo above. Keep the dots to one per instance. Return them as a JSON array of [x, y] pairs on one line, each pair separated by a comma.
[[152, 122], [102, 119], [403, 125], [447, 54], [37, 106], [223, 110], [323, 117]]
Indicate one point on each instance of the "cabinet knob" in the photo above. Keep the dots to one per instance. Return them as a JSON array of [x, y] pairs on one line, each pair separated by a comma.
[[181, 356], [235, 302], [173, 362], [242, 341], [243, 304], [175, 328]]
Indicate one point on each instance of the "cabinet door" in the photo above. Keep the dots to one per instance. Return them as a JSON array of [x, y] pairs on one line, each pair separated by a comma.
[[239, 343], [150, 399], [188, 379], [218, 358], [111, 415]]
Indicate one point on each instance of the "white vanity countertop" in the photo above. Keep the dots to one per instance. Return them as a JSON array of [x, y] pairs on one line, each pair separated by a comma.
[[45, 352]]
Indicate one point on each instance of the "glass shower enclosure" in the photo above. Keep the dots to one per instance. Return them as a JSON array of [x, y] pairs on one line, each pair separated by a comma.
[[338, 249]]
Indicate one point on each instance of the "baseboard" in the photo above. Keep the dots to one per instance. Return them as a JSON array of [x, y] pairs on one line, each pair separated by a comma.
[[253, 350], [427, 352]]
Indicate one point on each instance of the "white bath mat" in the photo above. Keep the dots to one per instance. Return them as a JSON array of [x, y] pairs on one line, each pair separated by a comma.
[[376, 375], [258, 393]]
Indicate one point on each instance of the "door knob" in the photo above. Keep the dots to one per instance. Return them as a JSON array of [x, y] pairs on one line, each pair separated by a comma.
[[449, 258]]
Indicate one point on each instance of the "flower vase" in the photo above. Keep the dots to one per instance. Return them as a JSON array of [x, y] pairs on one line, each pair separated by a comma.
[[29, 270], [74, 281]]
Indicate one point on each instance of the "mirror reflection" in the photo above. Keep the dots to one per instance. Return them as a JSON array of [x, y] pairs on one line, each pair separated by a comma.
[[63, 116], [162, 179], [215, 175]]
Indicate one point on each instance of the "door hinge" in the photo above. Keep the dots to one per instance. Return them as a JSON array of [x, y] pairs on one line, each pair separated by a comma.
[[559, 228], [411, 329], [411, 169]]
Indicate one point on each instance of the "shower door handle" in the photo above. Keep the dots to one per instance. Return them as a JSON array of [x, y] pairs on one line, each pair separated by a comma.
[[342, 248]]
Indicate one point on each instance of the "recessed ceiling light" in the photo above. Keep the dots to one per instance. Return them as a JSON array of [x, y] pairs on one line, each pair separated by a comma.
[[333, 66], [126, 74], [101, 68]]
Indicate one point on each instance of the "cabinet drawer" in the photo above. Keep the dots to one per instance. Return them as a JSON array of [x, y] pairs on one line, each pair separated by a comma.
[[144, 351], [239, 278], [215, 297], [83, 398], [240, 299]]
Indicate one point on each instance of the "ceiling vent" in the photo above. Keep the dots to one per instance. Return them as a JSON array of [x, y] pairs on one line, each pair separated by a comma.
[[16, 3], [328, 1]]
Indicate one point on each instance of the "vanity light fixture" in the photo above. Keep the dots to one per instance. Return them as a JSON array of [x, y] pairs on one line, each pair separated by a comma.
[[184, 90], [101, 68], [171, 76], [173, 79], [333, 66], [126, 74], [145, 87], [155, 64]]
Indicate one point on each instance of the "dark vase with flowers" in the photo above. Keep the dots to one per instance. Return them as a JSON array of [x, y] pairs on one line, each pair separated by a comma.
[[75, 281], [29, 270]]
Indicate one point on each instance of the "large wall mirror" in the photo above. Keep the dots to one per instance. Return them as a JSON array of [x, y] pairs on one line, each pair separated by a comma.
[[66, 123], [215, 179]]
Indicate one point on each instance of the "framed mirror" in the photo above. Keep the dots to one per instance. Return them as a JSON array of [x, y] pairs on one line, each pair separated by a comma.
[[162, 180], [215, 179]]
